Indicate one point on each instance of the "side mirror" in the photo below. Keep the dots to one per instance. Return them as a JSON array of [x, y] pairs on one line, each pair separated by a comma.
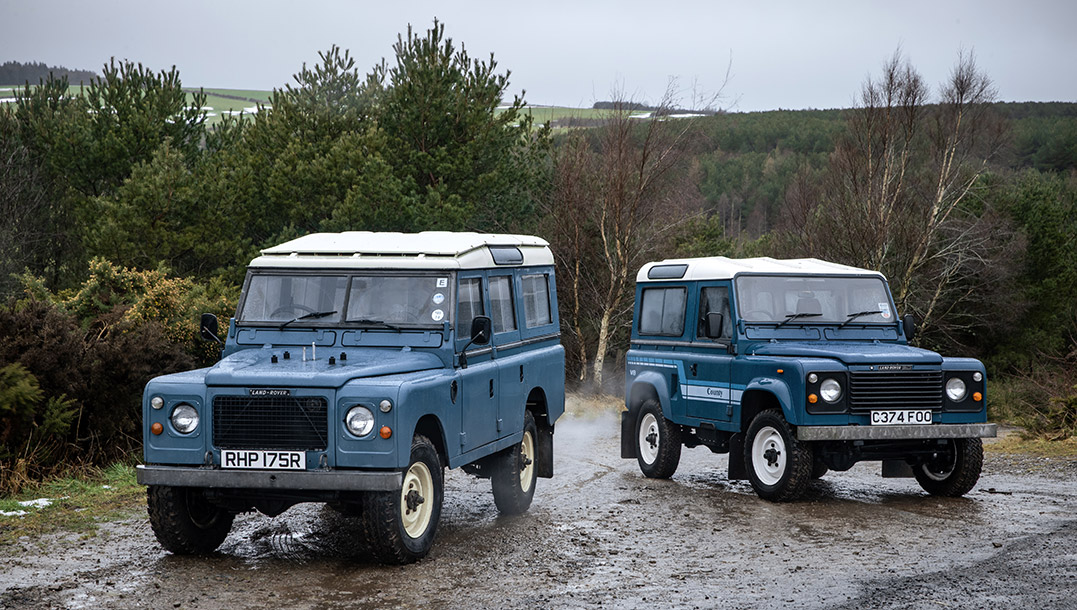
[[714, 323], [210, 328], [908, 324], [481, 330]]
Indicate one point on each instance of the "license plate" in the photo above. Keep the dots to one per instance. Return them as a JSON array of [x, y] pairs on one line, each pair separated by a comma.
[[263, 460], [893, 418]]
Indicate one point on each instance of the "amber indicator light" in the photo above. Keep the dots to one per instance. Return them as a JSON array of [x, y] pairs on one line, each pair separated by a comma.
[[386, 432], [812, 398], [157, 428]]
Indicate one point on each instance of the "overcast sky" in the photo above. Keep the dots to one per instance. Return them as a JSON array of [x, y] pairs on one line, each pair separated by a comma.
[[796, 54]]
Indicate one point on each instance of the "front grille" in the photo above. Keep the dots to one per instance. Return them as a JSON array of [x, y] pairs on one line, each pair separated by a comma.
[[270, 422], [895, 390]]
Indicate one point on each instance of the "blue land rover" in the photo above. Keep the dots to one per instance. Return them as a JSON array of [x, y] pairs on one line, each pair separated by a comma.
[[793, 368], [357, 367]]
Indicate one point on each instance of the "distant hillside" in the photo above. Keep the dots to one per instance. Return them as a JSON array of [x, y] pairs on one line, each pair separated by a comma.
[[16, 73]]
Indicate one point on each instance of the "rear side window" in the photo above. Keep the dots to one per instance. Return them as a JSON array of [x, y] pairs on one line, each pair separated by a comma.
[[661, 311], [536, 300], [470, 304], [501, 310]]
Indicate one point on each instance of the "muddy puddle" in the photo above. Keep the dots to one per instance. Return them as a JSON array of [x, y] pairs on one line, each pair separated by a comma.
[[601, 535]]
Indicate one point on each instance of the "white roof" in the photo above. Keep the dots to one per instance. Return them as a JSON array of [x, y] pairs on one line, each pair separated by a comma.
[[722, 268], [426, 250]]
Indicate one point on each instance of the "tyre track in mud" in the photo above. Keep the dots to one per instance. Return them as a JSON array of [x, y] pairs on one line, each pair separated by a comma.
[[601, 535]]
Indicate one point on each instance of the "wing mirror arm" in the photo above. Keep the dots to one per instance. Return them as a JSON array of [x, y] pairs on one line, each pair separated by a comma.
[[210, 328], [481, 329], [908, 324]]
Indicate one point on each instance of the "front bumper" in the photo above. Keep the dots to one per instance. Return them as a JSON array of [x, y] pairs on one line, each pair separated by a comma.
[[328, 480], [908, 432]]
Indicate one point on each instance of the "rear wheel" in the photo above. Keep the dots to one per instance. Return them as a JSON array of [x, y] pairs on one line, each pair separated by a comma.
[[184, 522], [779, 466], [399, 526], [658, 442], [514, 475], [955, 469]]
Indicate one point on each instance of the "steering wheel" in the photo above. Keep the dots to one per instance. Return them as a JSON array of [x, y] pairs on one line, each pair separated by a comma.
[[293, 307]]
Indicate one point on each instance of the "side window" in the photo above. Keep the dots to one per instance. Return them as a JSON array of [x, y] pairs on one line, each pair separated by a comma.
[[470, 305], [536, 300], [661, 312], [714, 299], [501, 309]]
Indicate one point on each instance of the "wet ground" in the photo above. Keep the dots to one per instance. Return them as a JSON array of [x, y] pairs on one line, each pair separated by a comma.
[[601, 535]]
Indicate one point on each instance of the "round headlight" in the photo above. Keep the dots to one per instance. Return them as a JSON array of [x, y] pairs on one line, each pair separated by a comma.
[[812, 378], [184, 418], [157, 402], [359, 420], [830, 390], [955, 389], [385, 406]]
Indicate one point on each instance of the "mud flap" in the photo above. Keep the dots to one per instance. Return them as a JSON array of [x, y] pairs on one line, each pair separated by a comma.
[[544, 452], [737, 471], [628, 435], [896, 469]]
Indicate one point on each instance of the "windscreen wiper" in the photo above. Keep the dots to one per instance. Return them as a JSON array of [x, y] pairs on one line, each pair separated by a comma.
[[309, 316], [858, 314], [793, 316], [369, 322]]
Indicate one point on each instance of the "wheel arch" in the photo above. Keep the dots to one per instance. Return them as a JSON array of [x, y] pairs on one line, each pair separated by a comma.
[[430, 426]]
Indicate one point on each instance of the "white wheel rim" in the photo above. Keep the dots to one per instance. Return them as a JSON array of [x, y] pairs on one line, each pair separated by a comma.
[[649, 438], [769, 457], [416, 520], [527, 456]]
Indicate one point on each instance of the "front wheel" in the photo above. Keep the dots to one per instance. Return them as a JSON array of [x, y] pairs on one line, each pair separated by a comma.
[[658, 448], [399, 526], [184, 522], [955, 469], [779, 466], [513, 478]]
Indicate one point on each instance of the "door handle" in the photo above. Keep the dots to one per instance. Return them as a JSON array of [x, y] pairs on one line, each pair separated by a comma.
[[491, 388], [693, 368]]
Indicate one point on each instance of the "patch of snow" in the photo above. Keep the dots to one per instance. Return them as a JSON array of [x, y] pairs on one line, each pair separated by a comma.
[[106, 487], [12, 513], [6, 100], [687, 115], [38, 503]]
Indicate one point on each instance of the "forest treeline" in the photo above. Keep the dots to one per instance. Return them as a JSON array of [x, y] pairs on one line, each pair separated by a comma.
[[17, 73], [127, 216]]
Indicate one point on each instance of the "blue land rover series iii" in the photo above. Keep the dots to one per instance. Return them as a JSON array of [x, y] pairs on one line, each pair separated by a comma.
[[793, 368], [358, 366]]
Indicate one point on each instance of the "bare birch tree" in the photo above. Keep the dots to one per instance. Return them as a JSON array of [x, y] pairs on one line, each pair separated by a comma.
[[617, 201], [901, 191]]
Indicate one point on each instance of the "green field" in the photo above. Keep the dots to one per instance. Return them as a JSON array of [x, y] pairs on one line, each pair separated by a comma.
[[221, 102]]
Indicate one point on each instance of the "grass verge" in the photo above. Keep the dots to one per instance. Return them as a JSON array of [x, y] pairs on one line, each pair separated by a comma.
[[1016, 443], [76, 504]]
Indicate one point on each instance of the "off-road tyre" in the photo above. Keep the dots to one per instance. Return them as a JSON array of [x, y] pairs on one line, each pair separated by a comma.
[[779, 466], [184, 522], [658, 442], [958, 475], [514, 475], [399, 533]]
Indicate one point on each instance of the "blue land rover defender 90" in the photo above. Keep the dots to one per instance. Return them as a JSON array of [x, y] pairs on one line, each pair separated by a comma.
[[357, 367], [793, 368]]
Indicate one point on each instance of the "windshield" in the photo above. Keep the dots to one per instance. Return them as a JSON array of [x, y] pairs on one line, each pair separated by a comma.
[[379, 300], [813, 300]]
